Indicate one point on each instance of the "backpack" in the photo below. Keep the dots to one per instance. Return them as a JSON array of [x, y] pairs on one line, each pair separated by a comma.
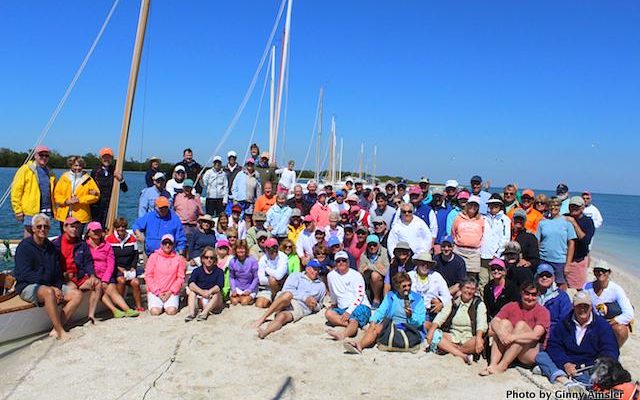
[[393, 338]]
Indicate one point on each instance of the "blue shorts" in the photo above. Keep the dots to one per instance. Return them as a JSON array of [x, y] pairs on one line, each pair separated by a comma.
[[361, 314], [558, 271]]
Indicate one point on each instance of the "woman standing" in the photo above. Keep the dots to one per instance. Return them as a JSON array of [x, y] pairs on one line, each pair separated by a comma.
[[541, 203], [104, 264], [467, 232], [556, 236], [75, 192], [164, 276], [243, 276]]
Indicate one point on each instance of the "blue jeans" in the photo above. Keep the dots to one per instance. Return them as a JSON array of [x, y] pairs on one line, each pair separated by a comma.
[[551, 371]]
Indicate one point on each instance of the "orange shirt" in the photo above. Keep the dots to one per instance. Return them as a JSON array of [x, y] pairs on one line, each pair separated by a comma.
[[533, 218], [264, 203]]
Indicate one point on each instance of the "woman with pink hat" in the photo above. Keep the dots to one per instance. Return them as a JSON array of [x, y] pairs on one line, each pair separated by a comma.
[[104, 264], [164, 275]]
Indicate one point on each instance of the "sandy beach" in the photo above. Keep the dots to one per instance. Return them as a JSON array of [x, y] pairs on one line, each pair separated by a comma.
[[164, 358]]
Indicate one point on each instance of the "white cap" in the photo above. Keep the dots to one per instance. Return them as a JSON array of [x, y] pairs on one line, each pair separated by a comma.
[[217, 158], [341, 255], [158, 175], [451, 183], [474, 199], [232, 154], [179, 168]]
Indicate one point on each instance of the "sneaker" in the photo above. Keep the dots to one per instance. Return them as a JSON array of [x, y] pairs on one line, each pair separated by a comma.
[[118, 314], [131, 313], [189, 318], [536, 370]]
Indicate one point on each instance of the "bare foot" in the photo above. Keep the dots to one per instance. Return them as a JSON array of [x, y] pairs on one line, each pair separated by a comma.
[[258, 323], [487, 371], [262, 333], [53, 333], [335, 335], [92, 320]]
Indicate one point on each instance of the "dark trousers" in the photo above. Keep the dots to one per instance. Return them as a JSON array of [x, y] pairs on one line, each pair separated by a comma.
[[214, 207]]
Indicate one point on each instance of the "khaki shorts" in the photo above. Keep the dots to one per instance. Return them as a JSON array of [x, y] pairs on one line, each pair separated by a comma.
[[297, 310]]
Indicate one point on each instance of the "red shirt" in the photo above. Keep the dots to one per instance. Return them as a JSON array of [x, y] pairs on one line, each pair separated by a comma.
[[66, 261], [538, 315]]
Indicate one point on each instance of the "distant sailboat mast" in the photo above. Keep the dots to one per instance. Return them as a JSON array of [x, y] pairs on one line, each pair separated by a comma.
[[340, 164], [281, 78], [332, 151]]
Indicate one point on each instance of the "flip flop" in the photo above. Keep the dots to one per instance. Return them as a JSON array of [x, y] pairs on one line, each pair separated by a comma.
[[350, 349]]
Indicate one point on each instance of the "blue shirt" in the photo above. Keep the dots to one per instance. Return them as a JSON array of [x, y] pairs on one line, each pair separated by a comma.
[[553, 235], [154, 227], [484, 197], [148, 199], [45, 187], [301, 287], [205, 280]]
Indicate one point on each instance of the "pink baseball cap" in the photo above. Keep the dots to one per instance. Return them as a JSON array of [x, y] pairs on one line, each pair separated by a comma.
[[250, 161], [41, 149], [271, 242], [167, 236], [70, 220], [463, 195], [497, 262], [94, 226], [222, 243], [355, 208], [415, 190], [307, 218]]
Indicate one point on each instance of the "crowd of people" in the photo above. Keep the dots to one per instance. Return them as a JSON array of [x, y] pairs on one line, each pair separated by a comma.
[[466, 272]]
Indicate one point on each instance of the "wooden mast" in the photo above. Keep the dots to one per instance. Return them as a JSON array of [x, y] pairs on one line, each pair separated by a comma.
[[128, 106]]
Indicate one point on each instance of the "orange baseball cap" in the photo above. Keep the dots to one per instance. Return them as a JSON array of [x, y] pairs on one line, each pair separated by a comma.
[[106, 151], [162, 202], [528, 192]]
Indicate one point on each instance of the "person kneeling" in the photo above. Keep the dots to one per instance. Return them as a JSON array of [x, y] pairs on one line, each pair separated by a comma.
[[164, 276], [302, 295], [351, 306], [517, 331], [205, 286]]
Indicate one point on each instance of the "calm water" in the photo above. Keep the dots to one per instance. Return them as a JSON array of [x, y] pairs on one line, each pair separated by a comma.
[[618, 238]]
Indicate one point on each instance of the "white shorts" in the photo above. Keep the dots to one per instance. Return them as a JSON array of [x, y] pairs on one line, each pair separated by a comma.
[[154, 301], [203, 300], [252, 294]]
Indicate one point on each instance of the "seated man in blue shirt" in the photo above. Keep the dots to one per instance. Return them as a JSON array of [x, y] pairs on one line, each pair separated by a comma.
[[576, 342], [301, 295]]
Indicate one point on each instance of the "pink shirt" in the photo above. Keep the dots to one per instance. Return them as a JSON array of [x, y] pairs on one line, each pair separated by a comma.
[[104, 262], [467, 232], [164, 272], [538, 315], [356, 251], [320, 214], [188, 208]]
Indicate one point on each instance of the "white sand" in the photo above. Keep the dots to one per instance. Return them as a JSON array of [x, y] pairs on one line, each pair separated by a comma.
[[223, 358]]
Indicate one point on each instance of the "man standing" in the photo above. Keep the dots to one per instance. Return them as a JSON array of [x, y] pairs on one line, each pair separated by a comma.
[[215, 187], [267, 171], [383, 210], [32, 189], [154, 166], [390, 191], [424, 185], [476, 188], [591, 211], [104, 175], [301, 295], [576, 270], [441, 211], [149, 195], [191, 167], [509, 196], [410, 229], [351, 308], [297, 201], [231, 170], [339, 204], [157, 223], [422, 210], [451, 192], [311, 196], [267, 200], [246, 187], [528, 242]]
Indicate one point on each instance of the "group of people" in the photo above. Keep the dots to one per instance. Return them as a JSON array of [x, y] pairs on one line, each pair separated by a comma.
[[471, 273]]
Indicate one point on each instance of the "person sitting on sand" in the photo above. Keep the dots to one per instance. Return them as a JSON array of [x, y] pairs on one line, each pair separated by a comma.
[[577, 340], [302, 295], [463, 324], [499, 291], [430, 285], [549, 295], [401, 305], [374, 263], [77, 264], [243, 275], [39, 278], [350, 305], [610, 301], [125, 251], [205, 287], [517, 331], [164, 276], [104, 264], [273, 267]]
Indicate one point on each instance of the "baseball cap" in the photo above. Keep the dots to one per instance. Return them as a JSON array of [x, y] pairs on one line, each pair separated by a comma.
[[339, 193], [390, 183], [520, 213], [463, 195], [362, 228], [162, 201], [497, 263], [154, 158], [314, 264], [341, 255], [260, 216], [352, 197], [476, 178], [307, 218], [451, 183], [106, 151], [179, 168], [94, 226], [402, 183], [355, 209], [222, 243], [217, 158], [377, 219], [187, 183], [41, 149], [158, 176], [415, 190], [250, 161], [71, 220], [333, 241], [169, 237], [265, 154], [349, 179], [271, 242], [576, 201], [424, 256], [236, 207], [348, 226], [474, 199], [528, 192], [544, 268], [562, 188], [232, 154], [447, 239], [373, 239], [262, 234], [296, 213], [437, 191], [402, 245], [424, 179], [512, 247], [600, 264], [582, 297]]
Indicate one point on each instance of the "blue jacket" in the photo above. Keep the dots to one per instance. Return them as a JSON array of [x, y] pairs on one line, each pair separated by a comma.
[[441, 216], [198, 241], [422, 211], [598, 341], [81, 256], [391, 303], [35, 264], [154, 227], [559, 306], [148, 198], [278, 219]]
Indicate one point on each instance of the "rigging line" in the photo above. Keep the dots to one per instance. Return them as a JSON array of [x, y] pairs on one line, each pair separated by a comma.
[[146, 78], [67, 93], [255, 122], [311, 141], [252, 85]]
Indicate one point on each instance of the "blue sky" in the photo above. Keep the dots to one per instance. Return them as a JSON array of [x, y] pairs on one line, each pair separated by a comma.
[[532, 92]]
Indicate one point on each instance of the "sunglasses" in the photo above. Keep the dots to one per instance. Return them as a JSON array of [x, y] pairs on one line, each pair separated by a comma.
[[545, 275], [406, 212], [600, 271], [505, 194], [496, 269], [373, 245], [207, 257], [167, 243], [232, 237], [43, 155], [41, 226], [530, 293], [341, 260], [538, 203], [288, 246]]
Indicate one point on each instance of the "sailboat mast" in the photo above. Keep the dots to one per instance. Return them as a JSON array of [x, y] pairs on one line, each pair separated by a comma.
[[272, 100], [361, 160], [340, 164], [128, 107], [332, 151], [375, 158], [319, 146], [281, 78]]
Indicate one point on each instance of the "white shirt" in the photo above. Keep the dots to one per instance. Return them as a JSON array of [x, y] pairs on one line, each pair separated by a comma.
[[277, 268], [593, 212], [416, 233], [288, 178], [497, 232], [613, 292], [348, 290], [433, 287], [581, 329], [172, 185], [335, 207], [304, 244], [338, 232]]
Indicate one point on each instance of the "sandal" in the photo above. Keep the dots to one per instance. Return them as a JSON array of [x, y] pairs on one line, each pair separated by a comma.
[[131, 313], [202, 317], [189, 318]]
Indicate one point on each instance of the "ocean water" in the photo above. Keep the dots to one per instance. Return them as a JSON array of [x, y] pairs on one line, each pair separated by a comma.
[[618, 239]]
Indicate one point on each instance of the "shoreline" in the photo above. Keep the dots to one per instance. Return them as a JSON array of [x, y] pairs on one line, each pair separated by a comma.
[[223, 357]]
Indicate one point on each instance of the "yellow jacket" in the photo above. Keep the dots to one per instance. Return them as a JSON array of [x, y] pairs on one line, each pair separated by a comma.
[[65, 188], [25, 190]]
